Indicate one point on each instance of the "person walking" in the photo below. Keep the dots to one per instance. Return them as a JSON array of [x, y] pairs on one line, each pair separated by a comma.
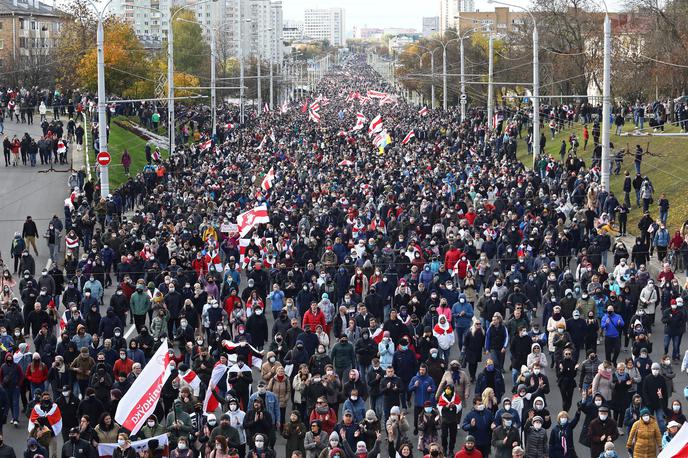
[[612, 326], [30, 233]]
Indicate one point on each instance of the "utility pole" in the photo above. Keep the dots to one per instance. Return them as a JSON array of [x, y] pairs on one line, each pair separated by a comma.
[[259, 88], [463, 84], [170, 87], [536, 93], [213, 83], [241, 68], [490, 77], [606, 102], [102, 114], [444, 77]]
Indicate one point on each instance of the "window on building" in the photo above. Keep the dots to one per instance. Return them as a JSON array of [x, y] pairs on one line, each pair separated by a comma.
[[33, 25], [21, 23], [2, 44], [22, 42]]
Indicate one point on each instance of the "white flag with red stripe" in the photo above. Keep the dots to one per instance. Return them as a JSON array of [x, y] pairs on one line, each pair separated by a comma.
[[266, 184], [375, 125], [678, 447], [212, 395], [53, 415], [360, 122], [284, 108], [408, 137], [423, 111], [205, 145], [345, 163], [192, 379], [313, 116], [377, 334], [249, 219], [376, 94], [266, 108], [140, 400], [229, 126]]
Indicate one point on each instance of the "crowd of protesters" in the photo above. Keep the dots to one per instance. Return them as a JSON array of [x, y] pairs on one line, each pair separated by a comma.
[[428, 299]]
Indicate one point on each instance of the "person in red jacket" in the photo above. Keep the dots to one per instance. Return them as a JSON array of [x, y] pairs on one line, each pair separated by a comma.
[[452, 257], [468, 450], [314, 317], [325, 414], [123, 364], [37, 373]]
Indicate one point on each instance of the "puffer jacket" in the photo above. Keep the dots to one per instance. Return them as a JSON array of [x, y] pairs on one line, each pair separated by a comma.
[[645, 439], [536, 443]]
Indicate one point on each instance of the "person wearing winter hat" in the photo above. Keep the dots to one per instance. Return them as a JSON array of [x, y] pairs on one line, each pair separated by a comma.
[[656, 394], [609, 451], [672, 429], [645, 438], [536, 438], [469, 450]]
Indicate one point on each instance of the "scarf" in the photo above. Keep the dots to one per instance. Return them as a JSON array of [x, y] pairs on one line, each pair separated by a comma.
[[604, 374]]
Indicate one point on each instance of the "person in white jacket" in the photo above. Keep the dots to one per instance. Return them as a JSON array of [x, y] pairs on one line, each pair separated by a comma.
[[444, 334]]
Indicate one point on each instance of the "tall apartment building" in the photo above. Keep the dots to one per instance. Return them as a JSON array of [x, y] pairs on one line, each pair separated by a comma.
[[502, 20], [431, 25], [325, 24], [149, 18], [292, 31], [449, 8]]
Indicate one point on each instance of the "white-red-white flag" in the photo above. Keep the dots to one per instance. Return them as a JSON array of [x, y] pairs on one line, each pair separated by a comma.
[[376, 94], [249, 219], [284, 108], [106, 450], [408, 137], [53, 415], [141, 398], [360, 122], [266, 184], [375, 125], [423, 111], [205, 145], [313, 116], [678, 447], [345, 163], [212, 395], [192, 379]]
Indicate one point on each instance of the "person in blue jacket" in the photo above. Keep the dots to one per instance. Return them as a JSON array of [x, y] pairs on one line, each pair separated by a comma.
[[422, 386], [462, 312], [404, 363], [506, 408], [492, 378], [270, 402], [478, 424]]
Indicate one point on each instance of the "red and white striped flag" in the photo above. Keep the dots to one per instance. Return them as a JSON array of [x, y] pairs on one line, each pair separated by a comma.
[[360, 120], [315, 106], [313, 116], [54, 417], [423, 111], [375, 125], [376, 94], [408, 137], [192, 379], [266, 108], [345, 163], [249, 219], [678, 447], [212, 401], [229, 126], [140, 400], [284, 108], [205, 145], [63, 321], [377, 334], [266, 184]]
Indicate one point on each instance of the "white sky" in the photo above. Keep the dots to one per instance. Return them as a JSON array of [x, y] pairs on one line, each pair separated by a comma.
[[388, 13]]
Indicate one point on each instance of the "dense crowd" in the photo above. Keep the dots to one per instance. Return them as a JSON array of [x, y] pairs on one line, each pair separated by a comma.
[[428, 299]]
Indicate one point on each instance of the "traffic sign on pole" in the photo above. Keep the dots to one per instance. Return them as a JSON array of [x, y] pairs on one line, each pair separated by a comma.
[[103, 158], [463, 97]]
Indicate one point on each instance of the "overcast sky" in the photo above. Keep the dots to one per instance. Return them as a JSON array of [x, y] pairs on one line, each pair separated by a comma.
[[388, 13]]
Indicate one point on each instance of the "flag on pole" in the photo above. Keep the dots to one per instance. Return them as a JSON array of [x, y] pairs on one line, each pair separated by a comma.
[[313, 116], [678, 447], [140, 400], [266, 185], [249, 219], [423, 111], [212, 401], [284, 108], [377, 334], [375, 125], [205, 145], [408, 137], [266, 108], [107, 450], [53, 416], [345, 163]]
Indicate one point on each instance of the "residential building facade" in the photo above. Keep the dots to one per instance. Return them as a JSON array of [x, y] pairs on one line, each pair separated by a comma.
[[325, 24]]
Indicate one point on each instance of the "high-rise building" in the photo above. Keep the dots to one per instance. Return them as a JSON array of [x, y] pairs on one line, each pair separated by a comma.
[[149, 18], [325, 24], [431, 25], [449, 8]]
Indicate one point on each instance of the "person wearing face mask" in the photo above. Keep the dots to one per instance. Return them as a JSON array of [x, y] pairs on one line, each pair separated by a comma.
[[674, 319], [645, 438], [612, 326], [505, 437], [477, 423], [536, 439], [178, 423], [140, 303], [561, 442], [670, 433], [68, 404], [268, 403], [12, 376], [656, 394], [601, 430], [520, 347], [316, 440], [428, 423], [602, 382], [182, 450], [152, 428]]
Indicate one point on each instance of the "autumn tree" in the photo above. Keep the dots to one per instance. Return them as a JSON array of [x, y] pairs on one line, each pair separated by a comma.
[[191, 49], [77, 36], [125, 60]]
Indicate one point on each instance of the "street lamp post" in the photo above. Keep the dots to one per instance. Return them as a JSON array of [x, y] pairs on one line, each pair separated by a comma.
[[432, 72], [536, 79], [490, 82], [606, 103], [102, 108]]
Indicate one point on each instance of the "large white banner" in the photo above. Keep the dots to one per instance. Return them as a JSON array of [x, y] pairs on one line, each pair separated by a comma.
[[140, 400]]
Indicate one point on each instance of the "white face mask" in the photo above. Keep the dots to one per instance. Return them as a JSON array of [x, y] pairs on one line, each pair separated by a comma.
[[646, 418], [536, 371], [121, 442], [480, 407], [259, 312], [537, 426], [182, 446], [655, 372], [151, 424], [259, 444], [676, 408], [603, 417], [598, 403]]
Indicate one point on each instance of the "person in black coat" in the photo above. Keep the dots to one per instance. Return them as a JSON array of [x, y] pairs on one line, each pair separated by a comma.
[[68, 404], [257, 326], [257, 421], [90, 406], [473, 344]]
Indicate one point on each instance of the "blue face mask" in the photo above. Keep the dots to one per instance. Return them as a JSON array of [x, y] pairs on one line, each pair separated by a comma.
[[428, 410], [563, 421], [507, 423], [403, 347], [489, 367]]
